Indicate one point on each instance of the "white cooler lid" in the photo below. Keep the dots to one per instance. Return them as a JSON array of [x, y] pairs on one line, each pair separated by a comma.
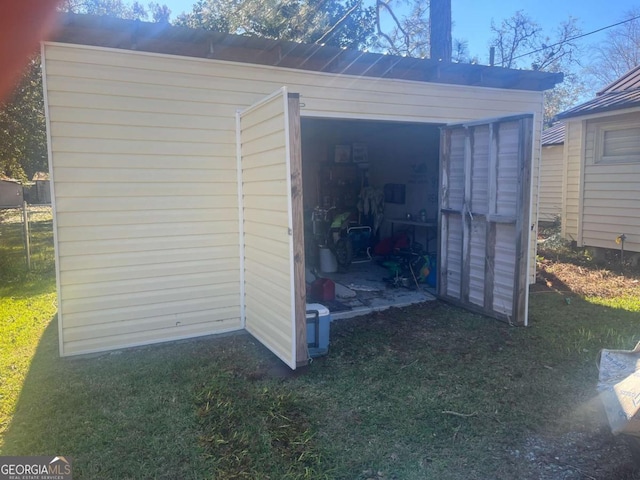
[[322, 310]]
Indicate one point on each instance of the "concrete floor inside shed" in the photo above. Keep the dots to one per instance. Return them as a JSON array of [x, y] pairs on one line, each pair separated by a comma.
[[362, 289]]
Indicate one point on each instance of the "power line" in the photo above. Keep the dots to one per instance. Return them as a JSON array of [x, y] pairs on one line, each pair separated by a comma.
[[576, 37]]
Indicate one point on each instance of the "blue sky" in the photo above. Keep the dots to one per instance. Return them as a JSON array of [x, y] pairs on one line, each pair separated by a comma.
[[472, 18]]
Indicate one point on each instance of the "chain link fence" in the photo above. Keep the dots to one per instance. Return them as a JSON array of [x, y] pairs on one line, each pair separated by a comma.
[[26, 241]]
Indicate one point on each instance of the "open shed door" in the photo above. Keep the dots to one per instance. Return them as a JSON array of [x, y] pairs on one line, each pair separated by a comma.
[[485, 179], [271, 231]]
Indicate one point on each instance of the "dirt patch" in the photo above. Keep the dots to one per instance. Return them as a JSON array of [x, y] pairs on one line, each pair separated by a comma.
[[586, 281], [564, 268], [577, 456]]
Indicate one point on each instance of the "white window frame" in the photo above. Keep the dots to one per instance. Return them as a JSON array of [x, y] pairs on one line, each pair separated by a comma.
[[601, 130]]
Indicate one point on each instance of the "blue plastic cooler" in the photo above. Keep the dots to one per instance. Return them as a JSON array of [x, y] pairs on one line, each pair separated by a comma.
[[318, 321]]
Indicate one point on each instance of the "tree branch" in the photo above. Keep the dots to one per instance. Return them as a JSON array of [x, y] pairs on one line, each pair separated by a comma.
[[339, 22], [380, 3]]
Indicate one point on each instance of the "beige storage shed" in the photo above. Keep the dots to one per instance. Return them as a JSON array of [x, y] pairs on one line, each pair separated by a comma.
[[182, 168], [42, 187], [601, 197], [11, 193]]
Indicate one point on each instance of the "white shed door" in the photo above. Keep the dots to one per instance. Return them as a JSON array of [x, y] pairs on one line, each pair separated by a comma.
[[270, 193], [485, 178]]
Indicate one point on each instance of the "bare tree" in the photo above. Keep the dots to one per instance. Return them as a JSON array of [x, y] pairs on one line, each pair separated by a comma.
[[618, 53], [514, 36], [520, 41]]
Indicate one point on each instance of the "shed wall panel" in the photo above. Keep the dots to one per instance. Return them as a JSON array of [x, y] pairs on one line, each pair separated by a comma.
[[268, 263], [146, 206], [133, 131]]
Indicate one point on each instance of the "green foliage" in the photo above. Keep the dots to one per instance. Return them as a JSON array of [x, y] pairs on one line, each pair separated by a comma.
[[23, 143], [116, 8], [344, 23], [564, 96]]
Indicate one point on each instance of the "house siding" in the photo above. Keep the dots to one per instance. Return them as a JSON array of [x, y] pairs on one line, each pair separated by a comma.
[[551, 177], [573, 148], [611, 195], [145, 183]]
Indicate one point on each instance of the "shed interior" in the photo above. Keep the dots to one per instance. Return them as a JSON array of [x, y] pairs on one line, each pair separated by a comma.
[[370, 193]]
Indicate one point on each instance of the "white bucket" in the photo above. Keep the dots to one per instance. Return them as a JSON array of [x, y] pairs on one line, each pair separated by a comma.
[[328, 262]]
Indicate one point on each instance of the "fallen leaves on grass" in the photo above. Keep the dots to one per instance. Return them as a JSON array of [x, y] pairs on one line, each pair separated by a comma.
[[587, 281]]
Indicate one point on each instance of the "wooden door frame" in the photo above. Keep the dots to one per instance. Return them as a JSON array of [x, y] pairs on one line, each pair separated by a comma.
[[297, 222]]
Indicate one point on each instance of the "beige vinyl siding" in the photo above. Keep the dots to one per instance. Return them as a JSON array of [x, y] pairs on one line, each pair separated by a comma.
[[136, 133], [611, 196], [572, 179], [551, 177], [146, 209], [267, 239]]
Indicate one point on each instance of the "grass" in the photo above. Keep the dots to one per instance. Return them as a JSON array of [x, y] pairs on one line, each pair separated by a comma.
[[27, 302], [429, 391]]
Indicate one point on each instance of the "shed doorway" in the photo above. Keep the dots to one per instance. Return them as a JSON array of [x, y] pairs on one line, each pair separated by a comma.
[[370, 194], [302, 178]]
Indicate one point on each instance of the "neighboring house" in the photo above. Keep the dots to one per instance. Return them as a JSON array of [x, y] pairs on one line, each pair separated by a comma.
[[11, 194], [551, 174], [602, 167], [179, 164], [42, 188]]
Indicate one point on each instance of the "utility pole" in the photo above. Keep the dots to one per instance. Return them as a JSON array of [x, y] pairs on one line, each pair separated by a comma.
[[440, 23]]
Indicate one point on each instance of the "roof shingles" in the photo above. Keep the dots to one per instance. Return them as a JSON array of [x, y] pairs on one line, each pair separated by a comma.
[[623, 93], [553, 135]]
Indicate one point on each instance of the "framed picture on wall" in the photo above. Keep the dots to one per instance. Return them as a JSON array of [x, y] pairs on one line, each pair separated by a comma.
[[342, 154], [360, 153]]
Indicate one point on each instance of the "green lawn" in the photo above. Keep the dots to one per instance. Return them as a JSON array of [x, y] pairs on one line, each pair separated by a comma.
[[429, 391], [27, 302]]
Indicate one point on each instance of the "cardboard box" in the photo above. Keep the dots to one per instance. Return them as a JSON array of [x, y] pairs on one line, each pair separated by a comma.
[[619, 387]]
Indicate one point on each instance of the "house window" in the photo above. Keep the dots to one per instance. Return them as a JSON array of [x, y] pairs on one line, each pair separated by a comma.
[[619, 144]]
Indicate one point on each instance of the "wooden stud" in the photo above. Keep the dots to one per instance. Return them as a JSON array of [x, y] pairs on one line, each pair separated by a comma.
[[295, 149], [521, 275], [489, 265], [443, 218], [493, 170], [465, 264]]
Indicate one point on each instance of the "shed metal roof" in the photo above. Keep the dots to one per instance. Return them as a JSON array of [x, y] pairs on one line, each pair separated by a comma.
[[554, 135], [604, 103], [623, 93], [628, 81], [163, 38]]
